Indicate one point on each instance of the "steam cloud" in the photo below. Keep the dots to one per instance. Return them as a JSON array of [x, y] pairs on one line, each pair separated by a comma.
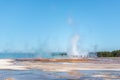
[[74, 52], [74, 48]]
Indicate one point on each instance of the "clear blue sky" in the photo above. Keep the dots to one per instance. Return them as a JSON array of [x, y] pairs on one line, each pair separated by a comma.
[[26, 24]]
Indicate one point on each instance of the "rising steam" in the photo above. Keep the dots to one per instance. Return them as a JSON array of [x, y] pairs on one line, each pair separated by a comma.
[[74, 51], [74, 46]]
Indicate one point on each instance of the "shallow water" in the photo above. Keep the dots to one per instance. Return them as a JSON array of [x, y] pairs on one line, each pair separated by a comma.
[[74, 75]]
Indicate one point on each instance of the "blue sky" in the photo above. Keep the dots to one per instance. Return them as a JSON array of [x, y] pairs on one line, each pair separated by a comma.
[[50, 24]]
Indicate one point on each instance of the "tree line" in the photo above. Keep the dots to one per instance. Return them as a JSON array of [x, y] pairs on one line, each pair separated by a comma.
[[115, 53]]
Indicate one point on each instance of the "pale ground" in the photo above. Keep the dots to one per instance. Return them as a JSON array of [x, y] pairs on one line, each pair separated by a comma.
[[57, 67], [71, 68], [9, 65], [64, 67]]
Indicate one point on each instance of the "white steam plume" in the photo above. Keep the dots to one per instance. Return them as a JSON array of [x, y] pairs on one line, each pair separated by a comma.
[[74, 50]]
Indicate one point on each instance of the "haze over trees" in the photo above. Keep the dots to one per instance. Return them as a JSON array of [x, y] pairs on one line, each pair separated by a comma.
[[115, 53]]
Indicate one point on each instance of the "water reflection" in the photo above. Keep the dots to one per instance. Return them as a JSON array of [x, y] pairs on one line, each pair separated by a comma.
[[73, 75]]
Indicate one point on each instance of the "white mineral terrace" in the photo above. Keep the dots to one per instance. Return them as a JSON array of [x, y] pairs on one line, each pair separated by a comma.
[[9, 64]]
